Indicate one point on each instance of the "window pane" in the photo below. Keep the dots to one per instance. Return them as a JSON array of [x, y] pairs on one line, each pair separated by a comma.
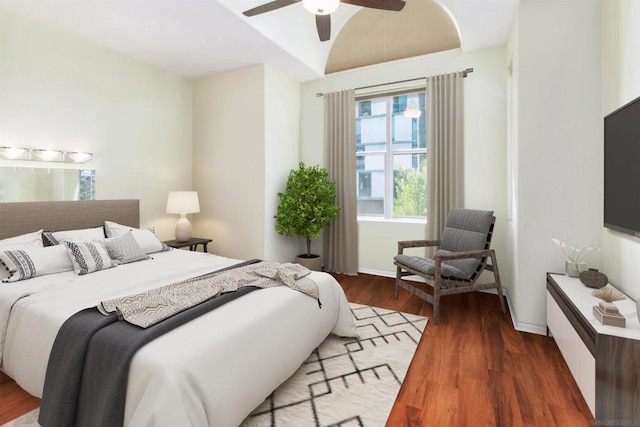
[[371, 125], [370, 182], [408, 125], [410, 185]]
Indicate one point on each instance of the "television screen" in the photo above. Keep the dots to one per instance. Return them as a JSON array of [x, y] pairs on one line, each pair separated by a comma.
[[622, 169]]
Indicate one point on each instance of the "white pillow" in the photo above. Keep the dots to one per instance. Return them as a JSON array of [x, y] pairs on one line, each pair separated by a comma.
[[24, 241], [145, 238], [84, 235], [88, 257], [22, 264]]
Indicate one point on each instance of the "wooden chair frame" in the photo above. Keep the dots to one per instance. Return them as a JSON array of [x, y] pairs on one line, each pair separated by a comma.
[[448, 285]]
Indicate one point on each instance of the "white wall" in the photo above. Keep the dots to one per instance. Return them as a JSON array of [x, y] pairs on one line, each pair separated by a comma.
[[282, 142], [60, 92], [559, 143], [228, 153], [246, 131], [621, 84], [485, 183]]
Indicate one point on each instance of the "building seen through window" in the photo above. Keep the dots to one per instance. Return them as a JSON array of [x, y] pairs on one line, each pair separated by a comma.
[[391, 155]]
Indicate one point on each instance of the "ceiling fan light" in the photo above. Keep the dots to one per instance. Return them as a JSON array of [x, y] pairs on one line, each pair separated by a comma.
[[321, 7], [412, 113]]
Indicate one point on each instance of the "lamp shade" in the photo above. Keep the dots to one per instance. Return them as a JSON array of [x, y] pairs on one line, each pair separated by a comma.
[[183, 202]]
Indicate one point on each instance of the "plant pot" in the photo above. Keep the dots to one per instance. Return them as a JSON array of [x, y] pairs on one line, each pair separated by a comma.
[[573, 269], [312, 262]]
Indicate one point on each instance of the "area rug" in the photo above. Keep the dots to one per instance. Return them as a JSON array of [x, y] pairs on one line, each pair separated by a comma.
[[345, 381]]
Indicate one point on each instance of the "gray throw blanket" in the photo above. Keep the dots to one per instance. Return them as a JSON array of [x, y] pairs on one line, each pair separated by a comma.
[[148, 308], [86, 379]]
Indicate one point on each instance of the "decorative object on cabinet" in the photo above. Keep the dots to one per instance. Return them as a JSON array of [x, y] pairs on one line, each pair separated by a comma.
[[183, 203], [607, 314], [592, 278], [574, 269], [608, 294], [574, 263]]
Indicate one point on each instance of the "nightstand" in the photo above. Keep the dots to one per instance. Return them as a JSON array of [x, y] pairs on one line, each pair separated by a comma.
[[191, 243]]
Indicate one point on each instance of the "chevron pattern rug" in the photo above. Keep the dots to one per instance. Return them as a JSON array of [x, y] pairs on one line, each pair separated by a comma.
[[345, 382]]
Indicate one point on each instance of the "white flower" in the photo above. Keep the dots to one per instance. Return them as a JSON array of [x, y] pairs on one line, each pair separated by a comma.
[[574, 254]]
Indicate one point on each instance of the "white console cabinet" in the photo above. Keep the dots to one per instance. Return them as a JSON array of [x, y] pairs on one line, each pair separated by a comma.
[[604, 360], [578, 357]]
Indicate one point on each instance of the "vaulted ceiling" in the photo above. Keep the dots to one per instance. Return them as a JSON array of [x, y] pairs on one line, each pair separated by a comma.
[[202, 37], [374, 36]]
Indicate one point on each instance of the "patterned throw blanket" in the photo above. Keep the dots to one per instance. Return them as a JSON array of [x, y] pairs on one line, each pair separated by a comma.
[[148, 308]]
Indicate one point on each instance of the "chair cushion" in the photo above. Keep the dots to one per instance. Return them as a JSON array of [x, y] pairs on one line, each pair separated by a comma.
[[428, 266], [466, 230]]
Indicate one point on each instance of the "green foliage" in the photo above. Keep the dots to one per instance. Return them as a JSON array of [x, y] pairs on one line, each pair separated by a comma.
[[411, 192], [307, 204]]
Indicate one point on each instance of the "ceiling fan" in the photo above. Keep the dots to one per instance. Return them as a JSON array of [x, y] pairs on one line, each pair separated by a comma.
[[324, 8]]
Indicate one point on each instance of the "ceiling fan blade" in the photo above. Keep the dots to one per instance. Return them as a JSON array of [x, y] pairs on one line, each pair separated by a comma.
[[323, 24], [268, 7], [395, 5]]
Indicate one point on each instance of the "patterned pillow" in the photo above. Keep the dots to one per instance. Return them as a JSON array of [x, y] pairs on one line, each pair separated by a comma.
[[18, 264], [38, 261], [146, 238], [48, 239], [95, 234], [125, 249], [88, 257]]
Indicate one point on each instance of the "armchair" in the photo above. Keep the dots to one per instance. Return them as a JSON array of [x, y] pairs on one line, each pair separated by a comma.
[[463, 254]]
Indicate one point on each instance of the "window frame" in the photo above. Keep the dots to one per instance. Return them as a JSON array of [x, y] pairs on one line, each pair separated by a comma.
[[389, 153]]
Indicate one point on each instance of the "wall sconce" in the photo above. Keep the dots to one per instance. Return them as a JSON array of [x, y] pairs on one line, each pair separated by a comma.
[[43, 155], [14, 153], [47, 155], [77, 157]]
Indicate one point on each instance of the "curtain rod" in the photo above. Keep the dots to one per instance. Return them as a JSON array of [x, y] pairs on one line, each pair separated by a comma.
[[464, 74]]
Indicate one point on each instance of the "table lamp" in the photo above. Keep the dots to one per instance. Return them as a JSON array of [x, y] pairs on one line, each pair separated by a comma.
[[183, 203]]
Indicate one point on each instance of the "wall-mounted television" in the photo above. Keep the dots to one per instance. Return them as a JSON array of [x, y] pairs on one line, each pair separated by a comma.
[[622, 169]]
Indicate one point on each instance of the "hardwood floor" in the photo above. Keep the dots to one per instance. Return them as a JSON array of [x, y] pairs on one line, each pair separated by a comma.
[[471, 369], [14, 401], [474, 368]]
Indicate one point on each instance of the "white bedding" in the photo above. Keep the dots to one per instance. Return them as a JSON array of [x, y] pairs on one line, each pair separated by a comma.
[[212, 371]]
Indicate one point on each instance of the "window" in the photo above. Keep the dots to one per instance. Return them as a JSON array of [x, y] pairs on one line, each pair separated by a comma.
[[391, 156]]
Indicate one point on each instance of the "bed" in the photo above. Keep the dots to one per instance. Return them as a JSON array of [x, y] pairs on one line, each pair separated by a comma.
[[211, 371]]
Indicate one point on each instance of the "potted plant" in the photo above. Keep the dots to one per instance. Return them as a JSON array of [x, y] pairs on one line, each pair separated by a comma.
[[306, 206]]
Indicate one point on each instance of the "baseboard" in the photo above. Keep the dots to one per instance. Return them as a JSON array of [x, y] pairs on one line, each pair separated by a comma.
[[373, 271], [519, 326], [386, 273]]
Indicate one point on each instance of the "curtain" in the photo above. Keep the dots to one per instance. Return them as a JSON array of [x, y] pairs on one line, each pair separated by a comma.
[[445, 144], [341, 237]]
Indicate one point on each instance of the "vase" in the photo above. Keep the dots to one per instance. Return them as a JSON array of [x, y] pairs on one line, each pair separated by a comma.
[[573, 269], [592, 278]]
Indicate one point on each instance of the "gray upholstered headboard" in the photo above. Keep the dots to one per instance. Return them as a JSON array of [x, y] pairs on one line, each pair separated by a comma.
[[25, 217]]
